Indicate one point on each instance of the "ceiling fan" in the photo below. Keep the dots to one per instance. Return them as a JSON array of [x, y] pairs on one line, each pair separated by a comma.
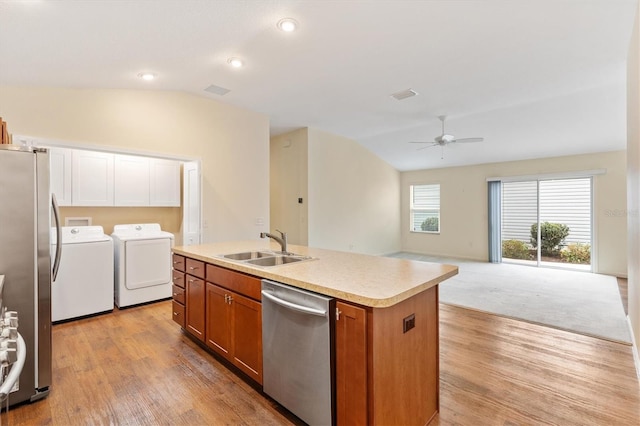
[[445, 139]]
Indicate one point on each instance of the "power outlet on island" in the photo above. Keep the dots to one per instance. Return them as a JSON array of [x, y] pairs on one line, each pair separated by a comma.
[[408, 323]]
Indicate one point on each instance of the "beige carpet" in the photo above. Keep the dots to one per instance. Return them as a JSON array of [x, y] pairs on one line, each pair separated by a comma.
[[581, 302]]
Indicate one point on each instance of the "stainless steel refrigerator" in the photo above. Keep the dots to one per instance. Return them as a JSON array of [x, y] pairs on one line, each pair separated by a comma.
[[26, 213]]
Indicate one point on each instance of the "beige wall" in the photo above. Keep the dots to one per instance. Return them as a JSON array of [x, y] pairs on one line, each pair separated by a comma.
[[289, 182], [353, 197], [633, 182], [463, 200], [232, 143], [169, 218]]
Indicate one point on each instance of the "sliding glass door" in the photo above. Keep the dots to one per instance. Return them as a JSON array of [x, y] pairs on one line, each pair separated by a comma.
[[547, 222]]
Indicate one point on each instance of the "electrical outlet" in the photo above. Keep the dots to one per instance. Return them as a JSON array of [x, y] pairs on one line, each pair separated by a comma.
[[408, 323]]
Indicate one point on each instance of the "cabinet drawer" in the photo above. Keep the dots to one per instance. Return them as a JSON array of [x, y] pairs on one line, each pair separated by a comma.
[[236, 281], [178, 278], [178, 313], [178, 262], [178, 294], [195, 268]]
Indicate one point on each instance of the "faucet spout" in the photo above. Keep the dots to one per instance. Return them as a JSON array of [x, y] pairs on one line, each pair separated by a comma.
[[282, 239]]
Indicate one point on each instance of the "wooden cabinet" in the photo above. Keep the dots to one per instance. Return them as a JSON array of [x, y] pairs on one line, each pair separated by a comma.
[[218, 319], [179, 294], [234, 321], [195, 298], [387, 372], [92, 178], [351, 364], [195, 307], [224, 312], [246, 332], [178, 313]]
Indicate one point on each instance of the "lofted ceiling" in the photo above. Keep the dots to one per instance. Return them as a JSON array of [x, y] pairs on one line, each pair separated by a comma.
[[535, 78]]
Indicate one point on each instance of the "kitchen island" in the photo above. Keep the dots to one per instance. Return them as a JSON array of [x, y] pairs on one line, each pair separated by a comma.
[[386, 321]]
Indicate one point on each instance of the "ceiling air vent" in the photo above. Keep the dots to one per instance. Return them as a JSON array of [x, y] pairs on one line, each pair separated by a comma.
[[217, 90], [404, 94]]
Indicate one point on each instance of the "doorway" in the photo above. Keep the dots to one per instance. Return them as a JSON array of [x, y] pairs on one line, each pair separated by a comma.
[[548, 222]]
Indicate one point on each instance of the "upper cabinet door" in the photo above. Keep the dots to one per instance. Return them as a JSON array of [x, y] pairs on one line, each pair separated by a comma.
[[165, 183], [60, 170], [92, 178], [131, 180]]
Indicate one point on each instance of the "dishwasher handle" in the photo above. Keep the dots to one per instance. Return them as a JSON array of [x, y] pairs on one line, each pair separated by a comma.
[[293, 306]]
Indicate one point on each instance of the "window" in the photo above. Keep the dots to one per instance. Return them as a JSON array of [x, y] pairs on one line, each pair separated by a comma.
[[425, 208]]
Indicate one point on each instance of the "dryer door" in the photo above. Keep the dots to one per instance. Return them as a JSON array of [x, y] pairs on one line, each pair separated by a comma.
[[147, 263]]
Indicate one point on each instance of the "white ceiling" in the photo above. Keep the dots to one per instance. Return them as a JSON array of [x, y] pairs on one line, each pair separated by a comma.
[[535, 78]]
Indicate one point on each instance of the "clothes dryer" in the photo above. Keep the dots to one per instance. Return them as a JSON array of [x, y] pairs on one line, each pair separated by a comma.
[[142, 255]]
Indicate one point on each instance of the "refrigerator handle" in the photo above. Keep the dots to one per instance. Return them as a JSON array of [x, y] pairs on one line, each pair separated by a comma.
[[56, 215]]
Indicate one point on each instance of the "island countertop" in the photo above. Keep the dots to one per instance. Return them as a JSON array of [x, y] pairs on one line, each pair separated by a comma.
[[373, 281]]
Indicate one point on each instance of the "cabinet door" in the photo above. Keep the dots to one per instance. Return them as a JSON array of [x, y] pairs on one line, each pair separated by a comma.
[[164, 183], [60, 170], [92, 183], [351, 364], [131, 180], [247, 335], [195, 299], [218, 320]]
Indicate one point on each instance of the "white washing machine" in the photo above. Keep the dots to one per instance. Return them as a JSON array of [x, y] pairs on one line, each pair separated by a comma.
[[142, 254], [84, 285]]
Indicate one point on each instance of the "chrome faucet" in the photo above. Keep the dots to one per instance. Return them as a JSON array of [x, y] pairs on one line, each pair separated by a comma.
[[282, 240]]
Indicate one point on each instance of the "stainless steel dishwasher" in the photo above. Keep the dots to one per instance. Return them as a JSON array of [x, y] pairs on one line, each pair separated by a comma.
[[297, 346]]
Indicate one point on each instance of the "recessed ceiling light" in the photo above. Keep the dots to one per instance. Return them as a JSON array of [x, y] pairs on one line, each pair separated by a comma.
[[287, 24], [147, 76], [235, 62]]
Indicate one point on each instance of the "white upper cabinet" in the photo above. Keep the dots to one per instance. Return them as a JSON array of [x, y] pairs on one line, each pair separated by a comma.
[[165, 183], [60, 170], [92, 178], [131, 180]]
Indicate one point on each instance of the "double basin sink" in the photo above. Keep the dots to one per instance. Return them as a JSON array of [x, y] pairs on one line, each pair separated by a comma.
[[266, 258]]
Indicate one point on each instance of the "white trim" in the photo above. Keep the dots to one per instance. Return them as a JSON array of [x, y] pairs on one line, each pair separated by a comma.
[[594, 229], [549, 176], [634, 348], [34, 141]]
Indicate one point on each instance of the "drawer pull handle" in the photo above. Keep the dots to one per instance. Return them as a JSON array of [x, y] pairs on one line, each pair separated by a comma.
[[175, 262], [193, 268], [175, 314]]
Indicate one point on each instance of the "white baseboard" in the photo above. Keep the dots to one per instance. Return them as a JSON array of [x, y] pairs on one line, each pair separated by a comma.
[[634, 348]]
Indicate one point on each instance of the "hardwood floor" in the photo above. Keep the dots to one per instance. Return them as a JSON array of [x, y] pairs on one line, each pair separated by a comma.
[[135, 367], [500, 371]]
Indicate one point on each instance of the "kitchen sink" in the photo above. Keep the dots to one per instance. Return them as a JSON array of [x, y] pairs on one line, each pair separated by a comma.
[[265, 258], [276, 260], [246, 255]]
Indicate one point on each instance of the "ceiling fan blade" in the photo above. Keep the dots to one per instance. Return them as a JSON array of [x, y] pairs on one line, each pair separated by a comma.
[[420, 141], [467, 140], [428, 146]]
